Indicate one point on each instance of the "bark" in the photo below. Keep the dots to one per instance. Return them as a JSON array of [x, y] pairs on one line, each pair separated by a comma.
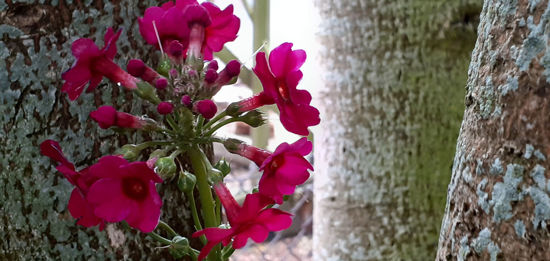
[[498, 204], [391, 106], [35, 39]]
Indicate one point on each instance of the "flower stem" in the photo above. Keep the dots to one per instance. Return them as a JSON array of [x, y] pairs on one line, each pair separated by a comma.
[[159, 238], [167, 228], [214, 120], [195, 215], [221, 124], [201, 166]]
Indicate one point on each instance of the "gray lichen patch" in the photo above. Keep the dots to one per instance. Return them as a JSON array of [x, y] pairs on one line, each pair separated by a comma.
[[483, 242], [482, 196], [464, 249], [511, 85], [542, 206], [537, 174], [532, 46], [529, 149], [519, 227], [505, 192], [496, 167]]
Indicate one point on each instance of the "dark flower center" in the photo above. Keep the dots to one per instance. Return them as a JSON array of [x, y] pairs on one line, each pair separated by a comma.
[[134, 188], [282, 89]]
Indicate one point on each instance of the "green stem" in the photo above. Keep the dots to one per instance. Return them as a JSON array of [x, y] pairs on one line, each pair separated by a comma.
[[172, 123], [195, 215], [218, 210], [214, 120], [200, 122], [227, 251], [152, 143], [159, 238], [219, 125], [201, 166], [167, 228]]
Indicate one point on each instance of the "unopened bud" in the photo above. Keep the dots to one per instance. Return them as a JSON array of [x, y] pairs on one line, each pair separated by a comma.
[[186, 101], [233, 109], [161, 83], [130, 152], [165, 167], [179, 248], [206, 108], [254, 118], [146, 91], [136, 67], [223, 166], [164, 67], [186, 181], [174, 73], [213, 65], [210, 76], [165, 108], [232, 145]]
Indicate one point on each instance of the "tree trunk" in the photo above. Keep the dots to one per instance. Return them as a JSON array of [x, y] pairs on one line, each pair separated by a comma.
[[35, 40], [498, 204], [391, 106]]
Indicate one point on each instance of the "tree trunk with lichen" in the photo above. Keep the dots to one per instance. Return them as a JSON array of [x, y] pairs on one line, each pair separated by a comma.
[[35, 44], [391, 107], [498, 204]]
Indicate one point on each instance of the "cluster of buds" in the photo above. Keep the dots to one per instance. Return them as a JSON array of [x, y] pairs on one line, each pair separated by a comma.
[[121, 187]]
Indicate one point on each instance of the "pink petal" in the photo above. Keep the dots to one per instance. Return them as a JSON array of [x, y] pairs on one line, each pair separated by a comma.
[[224, 28], [68, 171], [110, 43], [173, 23], [182, 4], [257, 232], [76, 79], [83, 48], [252, 205], [108, 167], [274, 219], [51, 149], [268, 187], [146, 24], [82, 210], [303, 146], [229, 203], [282, 60], [266, 77], [111, 203], [292, 79], [140, 170], [146, 216], [294, 170], [94, 81]]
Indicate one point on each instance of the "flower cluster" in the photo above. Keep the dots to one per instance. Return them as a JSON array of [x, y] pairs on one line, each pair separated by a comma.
[[178, 94]]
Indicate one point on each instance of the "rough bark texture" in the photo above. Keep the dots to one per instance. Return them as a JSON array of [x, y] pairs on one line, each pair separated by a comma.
[[498, 202], [391, 106], [35, 38]]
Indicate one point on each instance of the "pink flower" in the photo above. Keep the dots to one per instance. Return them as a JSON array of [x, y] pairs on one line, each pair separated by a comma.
[[92, 64], [250, 220], [279, 79], [78, 206], [203, 28], [106, 116], [125, 191], [283, 169], [138, 68]]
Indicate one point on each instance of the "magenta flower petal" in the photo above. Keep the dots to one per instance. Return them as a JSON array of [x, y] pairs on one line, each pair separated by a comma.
[[151, 205], [283, 60], [214, 237], [146, 24], [51, 149], [140, 170], [111, 204], [84, 48], [105, 116], [107, 167], [82, 210], [257, 232], [223, 29], [275, 220], [76, 79]]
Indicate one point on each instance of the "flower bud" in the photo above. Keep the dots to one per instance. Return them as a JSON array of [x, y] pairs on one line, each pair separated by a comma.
[[232, 145], [179, 248], [161, 83], [253, 118], [174, 73], [186, 181], [136, 67], [223, 166], [210, 76], [186, 101], [175, 50], [130, 152], [213, 65], [215, 176], [233, 109], [154, 156], [164, 67], [146, 91], [192, 73], [206, 108], [165, 108], [165, 167]]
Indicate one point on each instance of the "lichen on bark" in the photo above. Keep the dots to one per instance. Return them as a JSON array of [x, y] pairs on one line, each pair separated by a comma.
[[35, 39], [506, 137]]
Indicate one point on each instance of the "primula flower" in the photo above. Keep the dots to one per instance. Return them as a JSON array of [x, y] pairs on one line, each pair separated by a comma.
[[92, 64], [138, 68], [279, 79], [283, 169], [125, 191], [206, 28], [106, 116], [78, 206], [250, 220]]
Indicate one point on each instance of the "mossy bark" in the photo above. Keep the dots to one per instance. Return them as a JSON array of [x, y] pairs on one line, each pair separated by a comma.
[[498, 204], [391, 106], [35, 39]]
